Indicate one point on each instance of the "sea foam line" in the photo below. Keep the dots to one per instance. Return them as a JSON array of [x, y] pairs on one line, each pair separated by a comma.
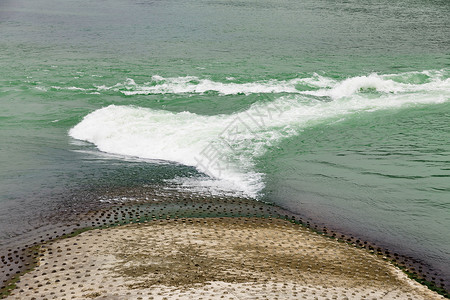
[[316, 85]]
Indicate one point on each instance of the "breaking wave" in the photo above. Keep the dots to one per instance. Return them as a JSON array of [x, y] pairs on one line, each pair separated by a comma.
[[226, 147]]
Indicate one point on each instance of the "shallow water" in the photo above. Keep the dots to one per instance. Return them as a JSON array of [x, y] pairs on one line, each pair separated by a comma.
[[335, 110]]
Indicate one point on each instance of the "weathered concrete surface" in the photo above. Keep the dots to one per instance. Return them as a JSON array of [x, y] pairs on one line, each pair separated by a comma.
[[212, 258]]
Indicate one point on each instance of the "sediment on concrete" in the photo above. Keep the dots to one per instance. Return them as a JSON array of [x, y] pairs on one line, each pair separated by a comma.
[[212, 258]]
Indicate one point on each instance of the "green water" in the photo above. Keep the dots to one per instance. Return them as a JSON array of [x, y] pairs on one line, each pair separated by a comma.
[[361, 141]]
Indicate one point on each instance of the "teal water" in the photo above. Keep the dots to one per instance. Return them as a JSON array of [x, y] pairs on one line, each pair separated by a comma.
[[336, 110]]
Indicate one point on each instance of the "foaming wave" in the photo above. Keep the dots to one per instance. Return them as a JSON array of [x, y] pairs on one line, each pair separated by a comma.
[[426, 81], [195, 85], [226, 147], [316, 85]]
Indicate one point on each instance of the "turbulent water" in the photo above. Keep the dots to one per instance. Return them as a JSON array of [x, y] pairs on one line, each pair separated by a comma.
[[338, 111]]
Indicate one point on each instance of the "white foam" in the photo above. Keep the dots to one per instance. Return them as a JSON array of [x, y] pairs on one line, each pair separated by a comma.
[[356, 84], [185, 85], [74, 88], [226, 146], [319, 85], [41, 88], [387, 84], [315, 85], [196, 85]]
